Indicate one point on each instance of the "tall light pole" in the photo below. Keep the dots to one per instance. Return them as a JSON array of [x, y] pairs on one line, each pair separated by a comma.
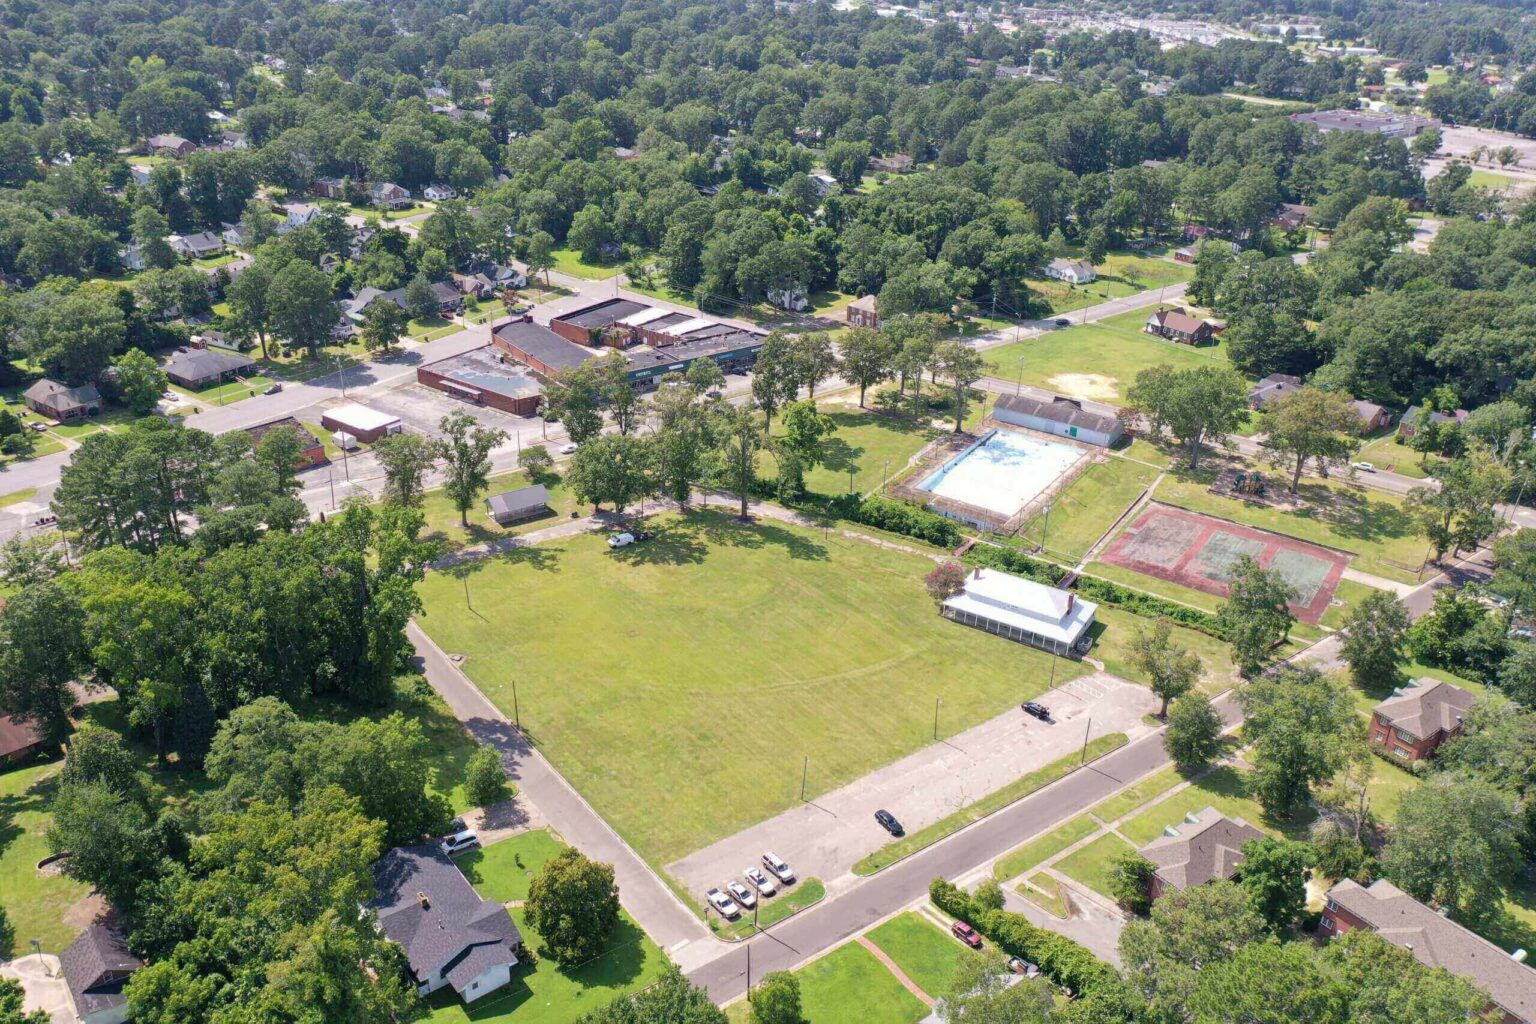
[[937, 701], [1045, 531], [1019, 387]]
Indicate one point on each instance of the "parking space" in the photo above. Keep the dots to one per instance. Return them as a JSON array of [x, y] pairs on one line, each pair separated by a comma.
[[421, 410]]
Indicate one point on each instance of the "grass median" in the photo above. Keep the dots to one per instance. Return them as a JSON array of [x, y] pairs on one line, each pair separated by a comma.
[[807, 892], [994, 801]]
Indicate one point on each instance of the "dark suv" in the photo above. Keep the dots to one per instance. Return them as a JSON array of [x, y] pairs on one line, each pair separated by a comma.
[[1039, 711]]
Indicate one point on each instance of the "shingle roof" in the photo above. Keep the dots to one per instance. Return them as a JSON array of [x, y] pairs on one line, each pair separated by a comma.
[[1207, 849], [16, 735], [96, 965], [202, 363], [1176, 320], [428, 907], [1437, 941], [516, 503], [1425, 707], [52, 395], [1059, 410]]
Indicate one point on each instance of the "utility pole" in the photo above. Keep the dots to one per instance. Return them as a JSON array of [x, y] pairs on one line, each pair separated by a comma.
[[1086, 728], [466, 593], [936, 702], [804, 769], [1046, 530], [517, 715]]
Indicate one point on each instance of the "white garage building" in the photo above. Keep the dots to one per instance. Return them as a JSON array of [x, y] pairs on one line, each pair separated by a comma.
[[1024, 611]]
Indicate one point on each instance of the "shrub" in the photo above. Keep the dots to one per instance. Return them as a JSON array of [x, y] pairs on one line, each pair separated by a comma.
[[1135, 601], [486, 777], [1016, 562], [896, 517], [1129, 876]]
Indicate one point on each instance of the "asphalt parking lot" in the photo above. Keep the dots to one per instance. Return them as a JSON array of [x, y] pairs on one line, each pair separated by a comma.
[[421, 410]]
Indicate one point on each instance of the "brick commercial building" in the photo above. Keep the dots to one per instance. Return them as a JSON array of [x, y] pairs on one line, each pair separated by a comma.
[[1435, 941], [585, 326], [1204, 847], [365, 424], [539, 348], [1417, 718], [313, 451], [485, 376]]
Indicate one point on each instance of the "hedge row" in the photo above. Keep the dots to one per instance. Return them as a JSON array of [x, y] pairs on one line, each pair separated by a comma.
[[1015, 561], [1063, 961], [897, 517], [1096, 589]]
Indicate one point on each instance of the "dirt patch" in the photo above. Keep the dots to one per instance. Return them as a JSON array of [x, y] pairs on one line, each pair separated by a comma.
[[86, 912], [1095, 386]]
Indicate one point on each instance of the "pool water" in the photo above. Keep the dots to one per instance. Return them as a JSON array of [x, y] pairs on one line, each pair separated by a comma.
[[1002, 472]]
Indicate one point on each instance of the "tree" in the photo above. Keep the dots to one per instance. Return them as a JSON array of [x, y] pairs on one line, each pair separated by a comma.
[[466, 453], [812, 359], [1340, 854], [774, 380], [670, 1000], [867, 358], [1188, 931], [383, 325], [139, 381], [149, 230], [250, 305], [536, 461], [980, 993], [610, 468], [945, 581], [574, 400], [846, 161], [1269, 983], [1193, 736], [799, 447], [1463, 511], [963, 366], [301, 311], [1171, 671], [573, 904], [1256, 616], [1130, 875], [1387, 983], [406, 458], [1455, 844], [541, 255], [776, 1000], [1302, 725], [617, 392], [28, 560], [1198, 405], [1373, 639], [281, 450], [110, 839], [1274, 875], [1308, 424], [42, 651], [741, 437], [11, 998], [591, 229], [485, 777], [420, 299]]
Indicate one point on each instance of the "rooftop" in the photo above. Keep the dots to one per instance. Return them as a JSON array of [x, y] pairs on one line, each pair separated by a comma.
[[1426, 706], [481, 369], [16, 735], [360, 417], [306, 437], [1059, 410], [1034, 607], [197, 363], [1201, 850], [519, 501], [96, 965], [543, 344], [603, 313]]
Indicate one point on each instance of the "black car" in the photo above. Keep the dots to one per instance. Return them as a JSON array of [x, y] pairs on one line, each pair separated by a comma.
[[1063, 322], [888, 822], [273, 389], [1039, 711]]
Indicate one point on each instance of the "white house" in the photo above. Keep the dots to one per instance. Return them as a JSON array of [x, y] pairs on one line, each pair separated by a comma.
[[792, 298], [437, 193], [1064, 417], [1071, 271], [132, 257], [1024, 611], [299, 214]]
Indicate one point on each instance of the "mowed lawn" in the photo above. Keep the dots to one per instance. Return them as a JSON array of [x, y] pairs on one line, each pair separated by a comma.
[[1082, 513], [503, 870], [924, 952], [1121, 274], [1229, 790], [1097, 360], [681, 683], [865, 442], [849, 984], [35, 904], [443, 519], [1092, 864]]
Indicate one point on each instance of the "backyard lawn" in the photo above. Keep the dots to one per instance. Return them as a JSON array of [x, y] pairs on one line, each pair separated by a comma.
[[924, 952], [641, 688], [542, 992], [443, 519], [1082, 513], [1091, 864], [1121, 274], [37, 905], [502, 870], [1117, 348], [1225, 788]]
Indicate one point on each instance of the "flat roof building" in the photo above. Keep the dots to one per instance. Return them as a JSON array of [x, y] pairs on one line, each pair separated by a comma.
[[485, 376], [363, 423], [582, 325], [1057, 414], [1024, 611], [540, 348], [1391, 125]]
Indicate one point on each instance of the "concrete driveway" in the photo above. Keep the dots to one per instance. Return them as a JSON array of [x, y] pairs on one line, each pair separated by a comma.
[[825, 838], [42, 985]]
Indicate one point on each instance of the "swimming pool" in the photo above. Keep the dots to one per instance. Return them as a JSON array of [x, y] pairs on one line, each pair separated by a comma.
[[1002, 472]]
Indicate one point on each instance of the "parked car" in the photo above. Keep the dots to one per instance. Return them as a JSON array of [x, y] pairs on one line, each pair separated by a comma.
[[459, 842], [569, 449], [273, 389], [759, 881], [1024, 967], [38, 426], [1364, 467], [723, 903], [621, 540], [741, 894], [888, 821], [1036, 709], [778, 868], [1062, 321], [966, 934]]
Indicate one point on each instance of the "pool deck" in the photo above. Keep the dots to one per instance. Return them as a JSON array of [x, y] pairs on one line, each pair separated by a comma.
[[1003, 471]]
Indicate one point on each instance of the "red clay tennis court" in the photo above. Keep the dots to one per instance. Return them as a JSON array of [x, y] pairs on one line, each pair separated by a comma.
[[1199, 551]]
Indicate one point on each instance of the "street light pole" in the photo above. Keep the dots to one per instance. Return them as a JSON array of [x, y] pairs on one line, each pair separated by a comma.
[[936, 702], [1086, 728], [517, 715], [1019, 387], [805, 768], [1045, 530]]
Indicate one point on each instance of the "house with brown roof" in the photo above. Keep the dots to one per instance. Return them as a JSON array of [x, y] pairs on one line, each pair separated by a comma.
[[169, 145], [1373, 417], [895, 163], [1177, 325], [1271, 388], [19, 740], [861, 312], [1417, 718], [1204, 847], [1435, 941], [62, 402], [96, 967], [1290, 216]]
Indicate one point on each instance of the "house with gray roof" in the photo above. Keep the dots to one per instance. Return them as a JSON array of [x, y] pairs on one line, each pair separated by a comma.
[[96, 966], [1417, 718], [1071, 271], [198, 368], [62, 402], [517, 505], [1060, 415], [450, 935], [1204, 847], [1435, 941]]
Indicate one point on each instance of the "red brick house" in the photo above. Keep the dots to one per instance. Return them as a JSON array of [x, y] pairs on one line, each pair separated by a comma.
[[1417, 718], [1204, 847], [1177, 325], [1435, 941], [862, 313]]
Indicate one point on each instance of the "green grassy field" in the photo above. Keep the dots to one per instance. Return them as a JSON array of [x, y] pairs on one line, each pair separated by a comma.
[[1121, 274], [1044, 892], [865, 442], [641, 688], [1488, 179], [849, 984], [1372, 524], [1225, 788], [227, 394], [35, 904], [1385, 453], [502, 870], [1112, 646], [1081, 514], [1021, 859], [925, 953], [1091, 864], [569, 261], [1132, 797], [1097, 360], [542, 992], [443, 518]]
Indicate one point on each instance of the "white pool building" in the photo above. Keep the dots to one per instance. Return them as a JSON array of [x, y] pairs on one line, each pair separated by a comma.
[[1024, 611]]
